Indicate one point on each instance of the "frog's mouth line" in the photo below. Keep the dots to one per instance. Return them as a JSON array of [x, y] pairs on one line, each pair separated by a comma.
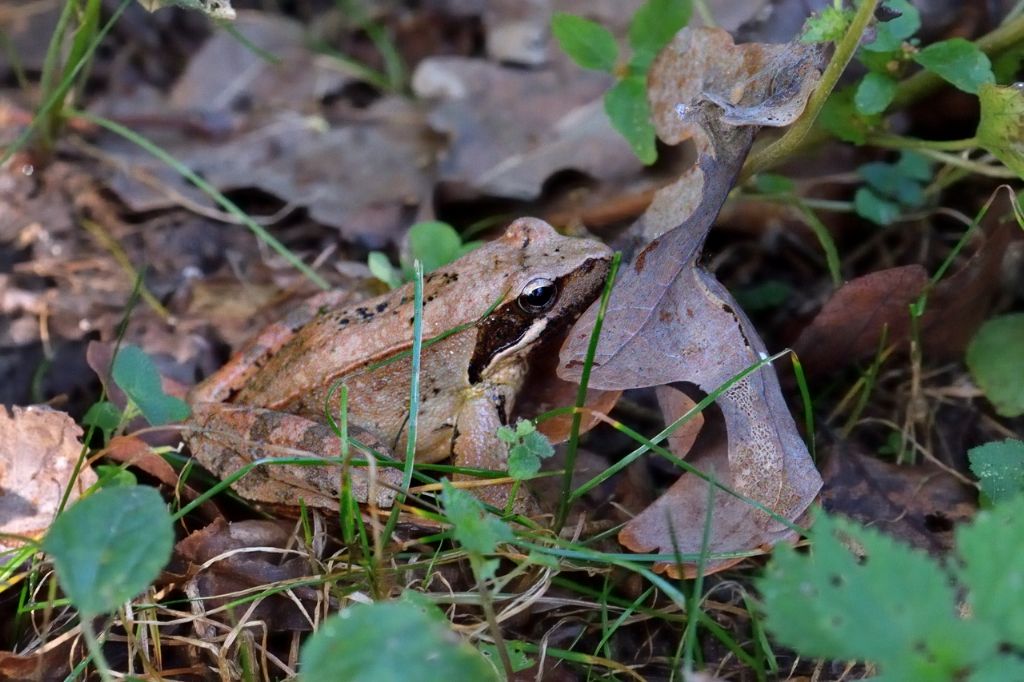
[[510, 329]]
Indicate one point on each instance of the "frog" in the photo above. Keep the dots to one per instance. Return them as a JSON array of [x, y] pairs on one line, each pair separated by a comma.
[[485, 317]]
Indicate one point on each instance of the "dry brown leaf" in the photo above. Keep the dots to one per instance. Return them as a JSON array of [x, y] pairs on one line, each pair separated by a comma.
[[510, 129], [39, 448], [241, 567], [671, 321], [920, 504], [264, 132], [849, 325]]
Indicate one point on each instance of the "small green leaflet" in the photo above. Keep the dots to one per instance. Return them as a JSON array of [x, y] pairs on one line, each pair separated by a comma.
[[136, 375], [654, 25], [874, 93], [889, 35], [478, 531], [109, 546], [389, 642], [999, 466], [587, 42], [995, 358], [627, 109], [958, 61]]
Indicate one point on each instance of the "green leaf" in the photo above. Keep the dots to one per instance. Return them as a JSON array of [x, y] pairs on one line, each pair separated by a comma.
[[654, 25], [992, 570], [522, 463], [478, 531], [999, 466], [772, 183], [874, 93], [627, 109], [588, 43], [893, 606], [1006, 65], [109, 546], [829, 26], [958, 61], [840, 117], [1001, 129], [389, 642], [105, 416], [528, 447], [889, 35], [114, 476], [434, 243], [880, 211], [914, 166], [995, 358], [900, 181], [764, 296], [136, 375], [381, 268], [516, 652], [506, 434]]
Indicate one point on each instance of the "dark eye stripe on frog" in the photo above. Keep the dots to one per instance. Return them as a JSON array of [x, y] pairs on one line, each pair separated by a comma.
[[506, 326]]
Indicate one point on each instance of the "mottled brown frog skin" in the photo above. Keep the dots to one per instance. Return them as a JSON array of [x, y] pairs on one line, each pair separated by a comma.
[[534, 282]]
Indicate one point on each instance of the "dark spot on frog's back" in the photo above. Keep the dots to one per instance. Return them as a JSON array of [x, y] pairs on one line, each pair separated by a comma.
[[382, 306], [264, 424]]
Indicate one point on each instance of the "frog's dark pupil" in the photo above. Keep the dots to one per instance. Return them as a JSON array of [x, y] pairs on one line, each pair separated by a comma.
[[538, 295]]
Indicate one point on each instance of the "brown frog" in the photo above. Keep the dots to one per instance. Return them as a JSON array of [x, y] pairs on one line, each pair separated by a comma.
[[483, 316]]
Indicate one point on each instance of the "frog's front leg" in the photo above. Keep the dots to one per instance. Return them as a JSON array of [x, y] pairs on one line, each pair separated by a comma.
[[224, 438], [477, 445]]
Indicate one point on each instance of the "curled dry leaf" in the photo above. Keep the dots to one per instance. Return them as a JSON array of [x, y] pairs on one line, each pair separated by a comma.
[[39, 448], [670, 321]]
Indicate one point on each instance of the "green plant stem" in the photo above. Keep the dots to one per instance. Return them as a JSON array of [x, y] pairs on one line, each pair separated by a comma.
[[487, 603], [978, 167], [908, 91], [824, 237], [785, 146], [414, 398], [900, 142], [95, 649]]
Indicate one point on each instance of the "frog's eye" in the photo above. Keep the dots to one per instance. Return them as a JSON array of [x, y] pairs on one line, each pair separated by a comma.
[[538, 295]]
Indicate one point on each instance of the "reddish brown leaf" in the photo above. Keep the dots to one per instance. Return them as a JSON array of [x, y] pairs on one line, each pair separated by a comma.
[[850, 324]]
